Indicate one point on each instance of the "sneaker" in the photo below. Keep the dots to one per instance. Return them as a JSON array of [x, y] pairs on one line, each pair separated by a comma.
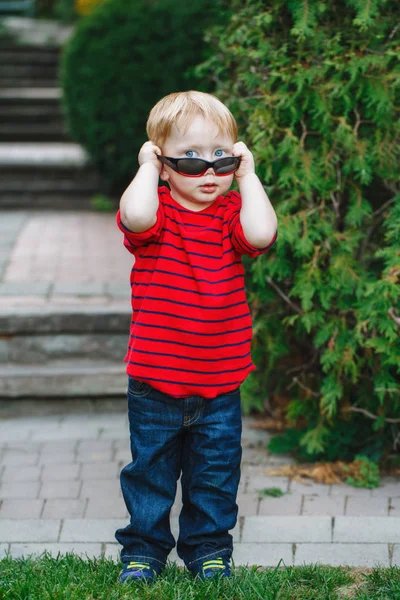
[[216, 566], [135, 571]]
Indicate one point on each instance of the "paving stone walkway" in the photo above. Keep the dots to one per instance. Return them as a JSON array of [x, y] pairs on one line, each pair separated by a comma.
[[59, 491], [51, 258]]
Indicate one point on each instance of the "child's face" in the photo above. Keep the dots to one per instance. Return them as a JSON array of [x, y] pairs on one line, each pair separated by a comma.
[[201, 140]]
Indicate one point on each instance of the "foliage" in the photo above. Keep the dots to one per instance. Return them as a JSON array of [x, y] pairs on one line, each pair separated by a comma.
[[103, 203], [271, 493], [122, 59], [315, 88], [368, 475], [63, 10], [85, 7]]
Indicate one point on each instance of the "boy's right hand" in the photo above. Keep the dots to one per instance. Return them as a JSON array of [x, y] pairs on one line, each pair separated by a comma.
[[148, 154]]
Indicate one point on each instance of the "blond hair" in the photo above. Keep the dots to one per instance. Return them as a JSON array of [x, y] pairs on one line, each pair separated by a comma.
[[180, 108]]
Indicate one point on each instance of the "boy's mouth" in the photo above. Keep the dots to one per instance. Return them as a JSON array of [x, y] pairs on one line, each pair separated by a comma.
[[208, 187]]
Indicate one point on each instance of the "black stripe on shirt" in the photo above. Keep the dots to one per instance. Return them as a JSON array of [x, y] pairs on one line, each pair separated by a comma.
[[185, 331], [187, 276], [184, 262], [188, 239], [188, 357], [187, 370], [165, 314], [241, 303], [190, 253], [192, 225], [158, 340], [173, 287]]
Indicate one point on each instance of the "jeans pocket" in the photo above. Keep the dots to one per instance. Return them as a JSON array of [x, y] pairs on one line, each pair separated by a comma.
[[138, 389]]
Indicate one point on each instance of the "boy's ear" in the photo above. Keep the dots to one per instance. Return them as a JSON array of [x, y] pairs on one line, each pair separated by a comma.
[[164, 175]]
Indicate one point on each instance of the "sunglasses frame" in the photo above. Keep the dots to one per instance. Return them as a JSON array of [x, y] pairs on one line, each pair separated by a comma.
[[173, 163]]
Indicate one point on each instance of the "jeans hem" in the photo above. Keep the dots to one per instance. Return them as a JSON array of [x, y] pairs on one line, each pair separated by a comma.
[[141, 557], [221, 552]]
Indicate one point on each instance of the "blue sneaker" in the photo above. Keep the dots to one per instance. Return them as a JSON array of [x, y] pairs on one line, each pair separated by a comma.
[[137, 571], [216, 566]]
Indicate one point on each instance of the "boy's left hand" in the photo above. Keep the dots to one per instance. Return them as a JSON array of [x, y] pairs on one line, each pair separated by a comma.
[[247, 160]]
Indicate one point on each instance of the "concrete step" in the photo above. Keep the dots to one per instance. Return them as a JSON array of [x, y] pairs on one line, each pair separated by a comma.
[[52, 130], [52, 352], [29, 112], [24, 82], [18, 71], [64, 320], [59, 155], [67, 378], [29, 95], [48, 187], [29, 55], [37, 33], [46, 175]]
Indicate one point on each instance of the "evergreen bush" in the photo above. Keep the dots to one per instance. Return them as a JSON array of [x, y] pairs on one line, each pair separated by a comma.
[[315, 86], [124, 57]]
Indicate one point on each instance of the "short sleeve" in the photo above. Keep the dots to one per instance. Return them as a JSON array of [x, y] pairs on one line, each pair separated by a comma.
[[239, 241], [133, 240]]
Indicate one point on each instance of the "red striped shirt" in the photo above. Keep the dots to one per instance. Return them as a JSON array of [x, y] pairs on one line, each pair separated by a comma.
[[191, 327]]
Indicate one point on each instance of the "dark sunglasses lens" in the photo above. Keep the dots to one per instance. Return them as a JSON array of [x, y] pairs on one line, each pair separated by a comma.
[[191, 166], [226, 165]]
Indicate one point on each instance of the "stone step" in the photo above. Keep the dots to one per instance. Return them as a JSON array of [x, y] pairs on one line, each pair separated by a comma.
[[64, 320], [29, 55], [59, 155], [49, 352], [29, 95], [47, 180], [36, 34], [33, 179], [67, 378], [50, 131], [11, 71], [59, 189], [24, 82], [77, 200], [32, 112]]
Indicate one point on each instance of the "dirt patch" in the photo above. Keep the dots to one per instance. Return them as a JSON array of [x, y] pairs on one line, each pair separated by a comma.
[[346, 592]]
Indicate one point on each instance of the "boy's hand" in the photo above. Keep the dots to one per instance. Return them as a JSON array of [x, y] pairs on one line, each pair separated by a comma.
[[247, 160], [148, 154]]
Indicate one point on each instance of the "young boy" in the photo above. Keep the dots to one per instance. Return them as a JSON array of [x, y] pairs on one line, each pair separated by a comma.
[[190, 335]]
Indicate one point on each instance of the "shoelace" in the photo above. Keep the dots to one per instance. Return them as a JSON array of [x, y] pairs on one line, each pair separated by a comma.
[[138, 566], [216, 563]]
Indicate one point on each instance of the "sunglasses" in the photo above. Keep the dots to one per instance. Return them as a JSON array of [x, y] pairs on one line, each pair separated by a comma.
[[196, 167]]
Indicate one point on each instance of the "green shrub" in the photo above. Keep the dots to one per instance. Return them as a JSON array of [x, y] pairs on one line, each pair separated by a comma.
[[122, 59], [315, 87]]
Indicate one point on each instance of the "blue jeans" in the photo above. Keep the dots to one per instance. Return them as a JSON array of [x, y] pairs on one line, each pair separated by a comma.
[[198, 438]]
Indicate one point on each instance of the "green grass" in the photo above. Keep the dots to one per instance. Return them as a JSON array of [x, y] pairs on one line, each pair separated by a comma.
[[69, 577]]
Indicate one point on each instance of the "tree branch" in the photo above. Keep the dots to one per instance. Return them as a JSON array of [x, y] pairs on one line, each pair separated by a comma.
[[393, 316], [304, 387], [368, 414], [283, 295]]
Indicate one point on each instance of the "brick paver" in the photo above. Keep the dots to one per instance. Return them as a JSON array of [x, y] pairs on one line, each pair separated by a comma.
[[321, 505], [285, 505], [287, 529], [352, 555], [63, 508], [21, 508], [378, 506], [366, 530]]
